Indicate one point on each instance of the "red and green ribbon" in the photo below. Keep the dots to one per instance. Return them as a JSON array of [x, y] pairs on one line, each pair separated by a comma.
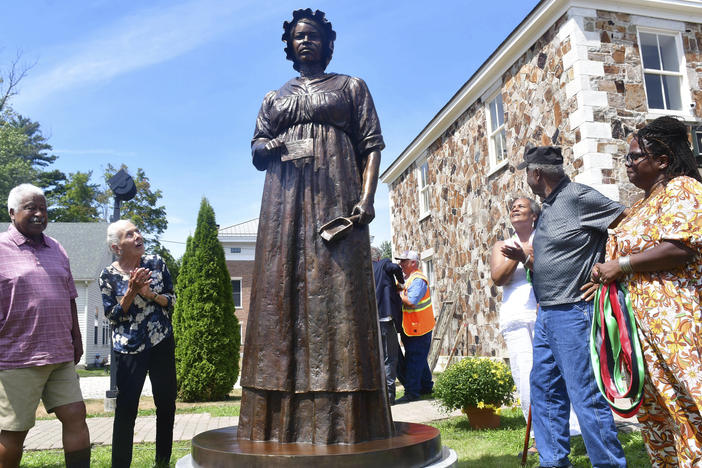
[[615, 350]]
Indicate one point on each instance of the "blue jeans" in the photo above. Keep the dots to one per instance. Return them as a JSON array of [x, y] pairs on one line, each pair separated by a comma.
[[416, 375], [561, 375]]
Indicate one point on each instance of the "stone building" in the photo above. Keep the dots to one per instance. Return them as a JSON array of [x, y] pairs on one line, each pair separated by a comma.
[[239, 244], [581, 74]]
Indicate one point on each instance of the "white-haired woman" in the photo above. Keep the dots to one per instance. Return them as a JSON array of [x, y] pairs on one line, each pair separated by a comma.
[[518, 309], [137, 293]]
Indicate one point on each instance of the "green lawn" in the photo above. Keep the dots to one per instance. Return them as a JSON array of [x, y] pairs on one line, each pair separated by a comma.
[[143, 456], [497, 448], [93, 372], [500, 448]]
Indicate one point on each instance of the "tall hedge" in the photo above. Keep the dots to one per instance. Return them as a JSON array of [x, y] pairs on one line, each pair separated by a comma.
[[205, 327]]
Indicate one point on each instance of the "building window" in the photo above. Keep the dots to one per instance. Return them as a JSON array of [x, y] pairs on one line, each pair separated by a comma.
[[697, 144], [105, 332], [423, 185], [95, 334], [496, 132], [661, 57], [235, 250], [428, 267], [236, 292]]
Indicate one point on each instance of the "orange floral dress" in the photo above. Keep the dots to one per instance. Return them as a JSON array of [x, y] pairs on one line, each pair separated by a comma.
[[667, 308]]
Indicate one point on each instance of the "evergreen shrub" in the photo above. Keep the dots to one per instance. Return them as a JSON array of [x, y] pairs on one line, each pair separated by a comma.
[[205, 327]]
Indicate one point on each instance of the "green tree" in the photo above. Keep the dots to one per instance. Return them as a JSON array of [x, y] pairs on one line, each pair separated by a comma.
[[386, 249], [13, 170], [24, 158], [172, 264], [205, 327], [143, 209], [77, 201]]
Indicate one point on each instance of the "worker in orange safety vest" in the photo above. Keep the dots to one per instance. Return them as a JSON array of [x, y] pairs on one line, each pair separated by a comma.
[[417, 325]]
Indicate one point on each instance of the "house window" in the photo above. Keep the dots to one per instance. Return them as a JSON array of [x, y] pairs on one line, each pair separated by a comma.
[[235, 250], [95, 334], [661, 56], [236, 292], [105, 332], [423, 185], [496, 132]]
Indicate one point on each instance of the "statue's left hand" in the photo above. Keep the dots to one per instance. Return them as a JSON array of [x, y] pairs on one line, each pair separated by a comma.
[[365, 209]]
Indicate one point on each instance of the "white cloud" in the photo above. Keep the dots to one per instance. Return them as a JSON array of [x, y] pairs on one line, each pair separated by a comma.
[[146, 38]]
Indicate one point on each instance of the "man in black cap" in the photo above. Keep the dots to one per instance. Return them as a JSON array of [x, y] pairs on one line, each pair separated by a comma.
[[569, 239]]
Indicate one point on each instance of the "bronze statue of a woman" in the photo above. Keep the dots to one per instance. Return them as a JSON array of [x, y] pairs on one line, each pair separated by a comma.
[[312, 370]]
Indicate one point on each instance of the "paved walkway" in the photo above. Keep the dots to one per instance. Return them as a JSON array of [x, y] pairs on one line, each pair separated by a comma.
[[46, 434]]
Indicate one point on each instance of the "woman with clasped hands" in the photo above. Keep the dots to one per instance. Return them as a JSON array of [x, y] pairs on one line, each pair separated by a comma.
[[656, 252], [137, 293]]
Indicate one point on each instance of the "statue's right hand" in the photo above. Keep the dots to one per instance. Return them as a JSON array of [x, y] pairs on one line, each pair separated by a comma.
[[271, 148]]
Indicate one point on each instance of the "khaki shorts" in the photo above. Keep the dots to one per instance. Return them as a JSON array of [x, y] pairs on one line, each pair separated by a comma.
[[21, 389]]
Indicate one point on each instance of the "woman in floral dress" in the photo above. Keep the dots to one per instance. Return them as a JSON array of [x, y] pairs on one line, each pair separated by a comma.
[[137, 293], [656, 250]]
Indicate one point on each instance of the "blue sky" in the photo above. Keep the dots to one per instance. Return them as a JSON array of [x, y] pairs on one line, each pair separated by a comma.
[[174, 87]]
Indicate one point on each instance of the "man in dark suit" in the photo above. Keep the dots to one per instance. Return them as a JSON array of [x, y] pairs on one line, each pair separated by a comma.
[[388, 276]]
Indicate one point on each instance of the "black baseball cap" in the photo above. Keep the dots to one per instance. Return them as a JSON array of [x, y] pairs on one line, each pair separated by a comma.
[[541, 155]]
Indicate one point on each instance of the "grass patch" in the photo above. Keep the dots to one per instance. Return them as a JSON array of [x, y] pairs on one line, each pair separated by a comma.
[[100, 456], [500, 448], [96, 408], [93, 372]]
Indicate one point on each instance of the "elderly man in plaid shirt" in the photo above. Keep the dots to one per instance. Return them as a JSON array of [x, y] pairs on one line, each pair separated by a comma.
[[40, 340]]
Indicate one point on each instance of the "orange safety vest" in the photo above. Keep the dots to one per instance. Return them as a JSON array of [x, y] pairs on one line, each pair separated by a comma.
[[418, 320]]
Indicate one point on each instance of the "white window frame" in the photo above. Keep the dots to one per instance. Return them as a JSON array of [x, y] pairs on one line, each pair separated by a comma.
[[428, 268], [685, 98], [241, 291], [423, 188], [494, 133]]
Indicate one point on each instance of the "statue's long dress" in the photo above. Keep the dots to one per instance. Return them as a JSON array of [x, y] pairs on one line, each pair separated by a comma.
[[312, 369]]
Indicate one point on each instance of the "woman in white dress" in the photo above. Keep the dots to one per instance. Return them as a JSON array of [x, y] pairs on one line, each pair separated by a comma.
[[518, 309]]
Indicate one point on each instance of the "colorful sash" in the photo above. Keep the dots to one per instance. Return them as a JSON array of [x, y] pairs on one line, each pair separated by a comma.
[[615, 351]]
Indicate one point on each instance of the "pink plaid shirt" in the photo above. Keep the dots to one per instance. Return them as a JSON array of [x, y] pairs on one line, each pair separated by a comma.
[[36, 287]]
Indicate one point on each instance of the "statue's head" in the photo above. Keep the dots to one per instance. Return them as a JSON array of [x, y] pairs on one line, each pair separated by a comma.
[[306, 20]]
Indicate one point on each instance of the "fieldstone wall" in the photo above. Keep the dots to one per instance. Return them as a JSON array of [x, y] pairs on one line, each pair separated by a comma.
[[580, 87]]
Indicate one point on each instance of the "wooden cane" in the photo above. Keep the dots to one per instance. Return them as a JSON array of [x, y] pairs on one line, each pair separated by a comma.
[[526, 439]]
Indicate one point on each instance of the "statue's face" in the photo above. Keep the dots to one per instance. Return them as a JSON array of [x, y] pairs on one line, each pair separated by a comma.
[[307, 43]]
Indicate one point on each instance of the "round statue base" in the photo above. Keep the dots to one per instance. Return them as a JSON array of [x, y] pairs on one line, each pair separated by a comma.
[[414, 445]]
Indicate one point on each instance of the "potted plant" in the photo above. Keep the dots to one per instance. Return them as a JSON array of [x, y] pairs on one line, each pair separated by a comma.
[[478, 386]]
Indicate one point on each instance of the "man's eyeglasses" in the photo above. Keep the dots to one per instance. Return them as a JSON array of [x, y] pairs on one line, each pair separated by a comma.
[[633, 158]]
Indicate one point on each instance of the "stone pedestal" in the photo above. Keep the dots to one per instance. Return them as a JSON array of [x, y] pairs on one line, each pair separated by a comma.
[[415, 445]]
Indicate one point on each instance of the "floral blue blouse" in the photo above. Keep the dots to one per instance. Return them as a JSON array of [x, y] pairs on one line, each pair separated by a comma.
[[146, 323]]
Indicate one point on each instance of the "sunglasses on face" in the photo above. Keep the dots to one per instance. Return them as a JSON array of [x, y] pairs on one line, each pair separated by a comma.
[[633, 158]]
